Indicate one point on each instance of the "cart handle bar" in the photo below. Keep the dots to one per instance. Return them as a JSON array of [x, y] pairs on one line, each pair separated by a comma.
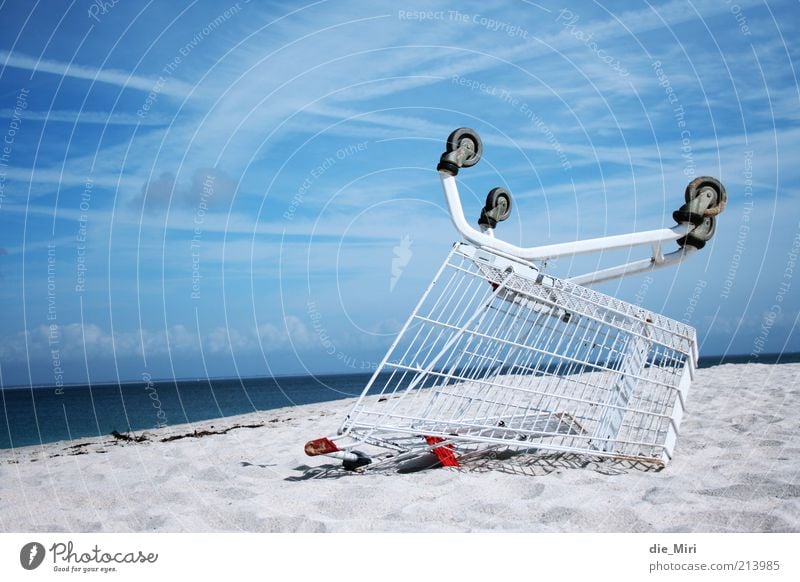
[[544, 252]]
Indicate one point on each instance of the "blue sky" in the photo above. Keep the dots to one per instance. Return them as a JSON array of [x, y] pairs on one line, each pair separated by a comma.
[[212, 189]]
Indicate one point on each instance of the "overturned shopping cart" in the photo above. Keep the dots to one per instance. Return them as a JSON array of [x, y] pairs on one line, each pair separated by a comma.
[[499, 355]]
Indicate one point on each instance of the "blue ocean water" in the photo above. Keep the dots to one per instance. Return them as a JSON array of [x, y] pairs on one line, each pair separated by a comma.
[[38, 415], [30, 416]]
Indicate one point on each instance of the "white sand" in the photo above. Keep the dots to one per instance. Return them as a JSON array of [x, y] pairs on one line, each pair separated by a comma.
[[736, 469]]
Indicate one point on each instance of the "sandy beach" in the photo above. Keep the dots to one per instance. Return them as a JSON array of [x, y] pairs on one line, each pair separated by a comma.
[[736, 469]]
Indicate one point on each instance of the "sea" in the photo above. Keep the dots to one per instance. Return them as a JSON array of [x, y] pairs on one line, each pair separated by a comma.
[[43, 414]]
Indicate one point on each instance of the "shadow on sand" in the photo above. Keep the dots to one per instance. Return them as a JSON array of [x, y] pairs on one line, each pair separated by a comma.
[[532, 464]]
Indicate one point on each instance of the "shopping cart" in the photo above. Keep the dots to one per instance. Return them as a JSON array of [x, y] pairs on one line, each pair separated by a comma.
[[499, 355]]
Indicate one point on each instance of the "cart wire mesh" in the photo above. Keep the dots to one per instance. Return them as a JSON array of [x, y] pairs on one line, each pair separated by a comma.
[[497, 354]]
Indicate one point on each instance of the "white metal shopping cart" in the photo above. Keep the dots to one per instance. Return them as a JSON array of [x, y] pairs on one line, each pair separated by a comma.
[[499, 355]]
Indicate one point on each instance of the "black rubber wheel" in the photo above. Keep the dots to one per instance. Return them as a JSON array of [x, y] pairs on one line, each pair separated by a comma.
[[703, 184], [701, 234], [706, 230], [499, 198], [360, 461], [468, 137]]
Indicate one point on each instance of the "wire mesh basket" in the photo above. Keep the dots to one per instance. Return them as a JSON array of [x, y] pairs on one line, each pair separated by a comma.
[[498, 354]]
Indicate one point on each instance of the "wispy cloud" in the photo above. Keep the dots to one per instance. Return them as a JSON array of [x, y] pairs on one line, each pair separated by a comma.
[[94, 117], [69, 177], [116, 77], [76, 339]]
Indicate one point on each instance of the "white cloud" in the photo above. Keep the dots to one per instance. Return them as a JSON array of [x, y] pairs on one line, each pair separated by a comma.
[[110, 76], [95, 117], [73, 340]]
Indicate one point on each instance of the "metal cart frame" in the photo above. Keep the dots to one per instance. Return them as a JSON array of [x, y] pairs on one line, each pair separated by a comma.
[[499, 355]]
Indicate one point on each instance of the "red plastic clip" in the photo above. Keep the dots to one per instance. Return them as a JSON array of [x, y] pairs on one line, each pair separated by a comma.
[[445, 453], [321, 446]]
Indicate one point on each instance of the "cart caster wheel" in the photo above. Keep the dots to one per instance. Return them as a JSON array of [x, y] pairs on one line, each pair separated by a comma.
[[705, 197], [464, 149], [701, 234], [497, 209], [361, 460], [499, 201], [710, 188], [469, 139]]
